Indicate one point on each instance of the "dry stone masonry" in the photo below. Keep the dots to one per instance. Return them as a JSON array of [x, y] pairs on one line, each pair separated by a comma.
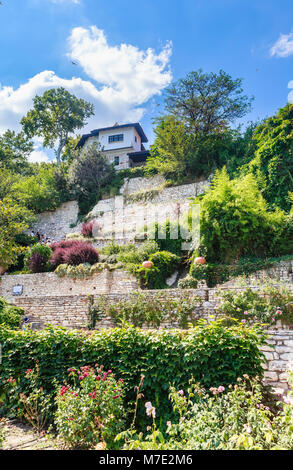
[[48, 285], [57, 224], [121, 217]]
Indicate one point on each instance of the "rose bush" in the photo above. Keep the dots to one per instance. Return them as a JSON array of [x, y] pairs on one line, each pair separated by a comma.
[[90, 411]]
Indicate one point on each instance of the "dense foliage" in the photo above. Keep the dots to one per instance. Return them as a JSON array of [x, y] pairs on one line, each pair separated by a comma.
[[213, 354], [235, 221], [164, 265], [89, 174], [131, 258], [218, 273], [267, 305], [14, 219], [9, 314], [273, 163], [180, 155], [38, 192], [221, 418], [14, 150], [193, 136]]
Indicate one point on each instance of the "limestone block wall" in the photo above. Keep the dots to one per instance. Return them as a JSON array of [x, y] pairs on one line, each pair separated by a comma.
[[123, 217], [279, 356], [70, 311], [48, 284], [73, 311], [56, 224], [132, 185]]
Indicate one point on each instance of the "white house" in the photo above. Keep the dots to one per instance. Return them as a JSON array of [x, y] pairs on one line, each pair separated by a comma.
[[123, 144]]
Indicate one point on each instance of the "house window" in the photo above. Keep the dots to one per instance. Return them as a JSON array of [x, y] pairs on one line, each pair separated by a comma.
[[135, 138], [116, 138], [117, 160]]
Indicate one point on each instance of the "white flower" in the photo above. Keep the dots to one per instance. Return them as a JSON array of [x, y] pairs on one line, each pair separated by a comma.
[[247, 428], [150, 409]]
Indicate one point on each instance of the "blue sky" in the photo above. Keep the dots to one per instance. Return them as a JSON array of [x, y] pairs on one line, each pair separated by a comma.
[[127, 52]]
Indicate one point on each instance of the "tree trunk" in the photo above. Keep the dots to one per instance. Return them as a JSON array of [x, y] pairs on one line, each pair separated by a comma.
[[62, 142]]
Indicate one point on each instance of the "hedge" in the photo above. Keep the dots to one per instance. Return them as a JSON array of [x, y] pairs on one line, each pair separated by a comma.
[[212, 354]]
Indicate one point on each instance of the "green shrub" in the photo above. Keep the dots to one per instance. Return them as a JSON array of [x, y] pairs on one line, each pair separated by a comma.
[[223, 418], [235, 221], [272, 162], [89, 174], [268, 305], [165, 264], [131, 254], [164, 233], [37, 258], [91, 410], [38, 192], [9, 314], [141, 309], [187, 283], [135, 172], [210, 353]]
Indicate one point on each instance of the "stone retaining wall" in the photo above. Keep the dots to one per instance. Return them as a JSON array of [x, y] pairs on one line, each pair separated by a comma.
[[57, 224], [62, 310], [48, 284], [279, 355], [119, 217], [66, 311]]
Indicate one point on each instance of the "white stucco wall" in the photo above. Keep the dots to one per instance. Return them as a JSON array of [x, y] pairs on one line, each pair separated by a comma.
[[129, 134]]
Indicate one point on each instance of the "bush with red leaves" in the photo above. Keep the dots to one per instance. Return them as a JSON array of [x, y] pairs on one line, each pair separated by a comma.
[[38, 263], [87, 229], [83, 253], [73, 252]]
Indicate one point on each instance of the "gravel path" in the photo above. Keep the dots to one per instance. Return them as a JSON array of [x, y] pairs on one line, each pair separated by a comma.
[[21, 437]]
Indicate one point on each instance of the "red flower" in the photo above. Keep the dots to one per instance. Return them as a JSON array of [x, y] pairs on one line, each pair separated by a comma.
[[64, 390]]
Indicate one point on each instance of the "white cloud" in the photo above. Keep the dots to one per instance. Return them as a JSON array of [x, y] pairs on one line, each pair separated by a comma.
[[125, 71], [284, 46], [38, 156], [126, 79]]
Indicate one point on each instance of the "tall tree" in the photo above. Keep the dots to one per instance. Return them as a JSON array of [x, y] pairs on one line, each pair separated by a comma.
[[179, 154], [207, 102], [55, 115], [14, 151]]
